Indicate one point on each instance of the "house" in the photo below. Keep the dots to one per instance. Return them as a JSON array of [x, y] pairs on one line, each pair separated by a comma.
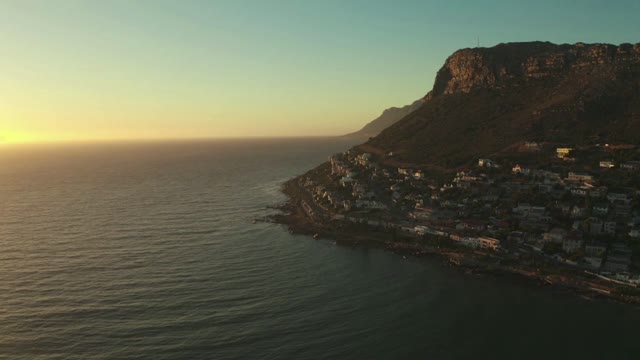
[[595, 226], [488, 163], [535, 224], [359, 190], [579, 178], [488, 243], [556, 235], [598, 191], [618, 197], [371, 205], [618, 259], [630, 165], [565, 208], [572, 243], [532, 146], [346, 180], [577, 225], [593, 262], [580, 191], [601, 209], [403, 171], [609, 227], [352, 173], [563, 152], [418, 175], [622, 210], [607, 164], [578, 212], [595, 248], [521, 170], [471, 225], [526, 210], [466, 241], [545, 188], [548, 176], [422, 213], [517, 237]]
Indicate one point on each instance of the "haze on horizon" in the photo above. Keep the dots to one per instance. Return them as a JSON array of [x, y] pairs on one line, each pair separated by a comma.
[[151, 69]]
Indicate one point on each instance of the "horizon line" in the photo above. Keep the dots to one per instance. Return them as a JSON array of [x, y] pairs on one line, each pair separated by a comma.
[[162, 139]]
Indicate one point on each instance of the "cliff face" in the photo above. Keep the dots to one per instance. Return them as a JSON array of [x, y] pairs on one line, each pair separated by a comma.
[[486, 99], [470, 69]]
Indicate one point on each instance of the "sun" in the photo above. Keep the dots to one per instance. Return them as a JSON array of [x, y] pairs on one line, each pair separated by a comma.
[[13, 138]]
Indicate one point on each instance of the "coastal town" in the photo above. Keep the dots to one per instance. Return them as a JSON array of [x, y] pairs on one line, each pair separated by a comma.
[[573, 208]]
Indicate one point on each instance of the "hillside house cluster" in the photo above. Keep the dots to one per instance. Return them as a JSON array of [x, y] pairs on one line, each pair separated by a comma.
[[578, 216]]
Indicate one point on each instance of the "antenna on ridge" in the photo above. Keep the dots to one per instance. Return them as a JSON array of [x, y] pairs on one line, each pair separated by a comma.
[[478, 41]]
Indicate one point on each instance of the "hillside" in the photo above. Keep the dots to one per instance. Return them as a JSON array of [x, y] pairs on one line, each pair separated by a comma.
[[388, 117], [488, 99]]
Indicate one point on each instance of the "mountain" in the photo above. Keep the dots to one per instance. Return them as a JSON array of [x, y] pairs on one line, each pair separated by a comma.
[[485, 100], [386, 119]]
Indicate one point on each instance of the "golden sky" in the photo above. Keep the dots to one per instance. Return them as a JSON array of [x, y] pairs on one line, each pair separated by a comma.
[[89, 69]]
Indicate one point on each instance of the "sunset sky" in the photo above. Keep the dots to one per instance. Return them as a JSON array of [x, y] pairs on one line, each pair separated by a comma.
[[86, 70]]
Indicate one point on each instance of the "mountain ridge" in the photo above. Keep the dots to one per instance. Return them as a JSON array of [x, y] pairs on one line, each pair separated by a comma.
[[486, 99], [387, 118]]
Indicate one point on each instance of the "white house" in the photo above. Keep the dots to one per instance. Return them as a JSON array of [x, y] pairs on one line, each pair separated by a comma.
[[563, 152], [556, 235], [521, 170], [607, 164], [572, 243]]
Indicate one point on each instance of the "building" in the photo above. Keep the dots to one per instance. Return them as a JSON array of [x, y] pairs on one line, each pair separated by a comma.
[[579, 178], [563, 152], [572, 243], [556, 235], [622, 210], [471, 225], [601, 209], [618, 197], [526, 210], [595, 248], [532, 146], [418, 175], [520, 170], [630, 165], [618, 259], [488, 163], [607, 164], [595, 226], [580, 191], [598, 191], [578, 212], [488, 243], [609, 227], [346, 180], [577, 225], [405, 172]]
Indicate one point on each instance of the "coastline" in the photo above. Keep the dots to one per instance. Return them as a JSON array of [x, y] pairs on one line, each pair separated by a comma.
[[296, 217]]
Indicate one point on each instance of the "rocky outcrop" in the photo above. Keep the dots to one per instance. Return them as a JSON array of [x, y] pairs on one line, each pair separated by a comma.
[[478, 68], [487, 99]]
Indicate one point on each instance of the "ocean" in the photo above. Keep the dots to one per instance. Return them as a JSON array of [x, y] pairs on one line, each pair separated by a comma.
[[149, 251]]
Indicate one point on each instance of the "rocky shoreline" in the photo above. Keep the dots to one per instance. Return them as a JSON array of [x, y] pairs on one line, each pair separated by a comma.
[[293, 215]]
